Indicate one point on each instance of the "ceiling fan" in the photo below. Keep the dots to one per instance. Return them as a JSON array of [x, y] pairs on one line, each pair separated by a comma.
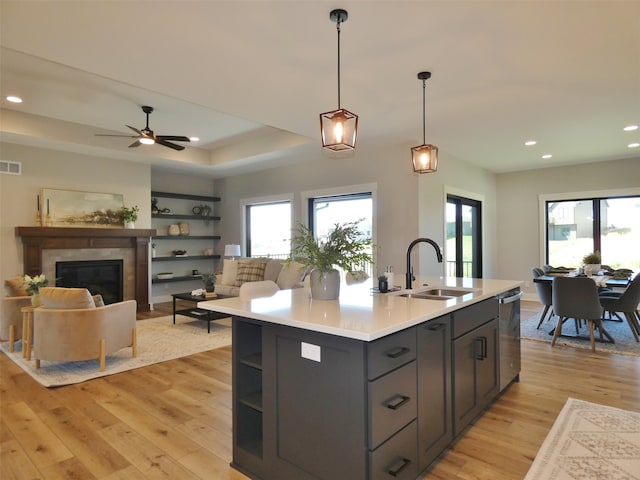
[[147, 137]]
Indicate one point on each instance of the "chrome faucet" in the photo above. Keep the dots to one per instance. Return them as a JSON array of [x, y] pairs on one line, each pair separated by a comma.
[[409, 275]]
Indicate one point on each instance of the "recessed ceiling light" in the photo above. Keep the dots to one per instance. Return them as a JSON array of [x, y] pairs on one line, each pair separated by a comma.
[[529, 143], [634, 145], [194, 139], [630, 128], [14, 99], [546, 156]]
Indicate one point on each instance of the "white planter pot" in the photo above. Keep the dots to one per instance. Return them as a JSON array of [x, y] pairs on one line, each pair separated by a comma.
[[325, 286], [129, 225]]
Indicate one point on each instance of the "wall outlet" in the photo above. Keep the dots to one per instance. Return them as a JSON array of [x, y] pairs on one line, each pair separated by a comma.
[[310, 351]]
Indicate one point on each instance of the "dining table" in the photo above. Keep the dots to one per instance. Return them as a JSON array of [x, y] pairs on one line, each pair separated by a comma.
[[602, 281]]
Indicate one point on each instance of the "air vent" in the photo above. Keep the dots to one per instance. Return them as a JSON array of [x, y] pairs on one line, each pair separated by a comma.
[[11, 168]]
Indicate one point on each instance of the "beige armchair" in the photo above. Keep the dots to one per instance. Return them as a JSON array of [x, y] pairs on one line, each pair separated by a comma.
[[76, 334]]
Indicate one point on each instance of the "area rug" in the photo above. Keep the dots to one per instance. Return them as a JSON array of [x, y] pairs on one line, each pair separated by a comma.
[[590, 442], [159, 340], [620, 331]]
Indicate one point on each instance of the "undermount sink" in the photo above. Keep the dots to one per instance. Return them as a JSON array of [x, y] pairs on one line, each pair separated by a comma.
[[436, 294]]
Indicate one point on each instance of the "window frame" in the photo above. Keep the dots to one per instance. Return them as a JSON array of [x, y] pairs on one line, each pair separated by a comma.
[[255, 201]]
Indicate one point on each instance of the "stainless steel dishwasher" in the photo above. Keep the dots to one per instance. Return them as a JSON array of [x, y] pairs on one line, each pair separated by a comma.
[[509, 332]]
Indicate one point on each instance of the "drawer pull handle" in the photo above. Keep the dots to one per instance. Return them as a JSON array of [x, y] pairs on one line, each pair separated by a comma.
[[398, 402], [437, 326], [400, 465], [398, 352]]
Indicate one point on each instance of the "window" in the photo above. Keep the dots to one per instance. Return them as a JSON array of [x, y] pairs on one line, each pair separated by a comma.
[[581, 226], [326, 211], [268, 229]]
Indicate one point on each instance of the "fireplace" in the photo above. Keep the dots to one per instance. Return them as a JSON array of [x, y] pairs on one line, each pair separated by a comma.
[[45, 246], [103, 277]]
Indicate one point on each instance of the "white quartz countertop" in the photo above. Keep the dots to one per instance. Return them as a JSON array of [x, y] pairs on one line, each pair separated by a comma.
[[359, 313]]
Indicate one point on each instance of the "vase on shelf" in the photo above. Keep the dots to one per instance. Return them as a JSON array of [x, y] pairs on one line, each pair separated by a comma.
[[325, 285], [129, 224]]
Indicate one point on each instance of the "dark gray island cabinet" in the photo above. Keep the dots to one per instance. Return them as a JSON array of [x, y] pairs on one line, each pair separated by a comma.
[[310, 405]]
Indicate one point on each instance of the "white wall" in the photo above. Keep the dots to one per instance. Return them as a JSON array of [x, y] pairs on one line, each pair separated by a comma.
[[61, 170], [518, 225], [409, 205]]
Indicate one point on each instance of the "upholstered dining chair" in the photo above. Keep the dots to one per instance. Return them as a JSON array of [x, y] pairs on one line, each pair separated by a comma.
[[577, 297], [627, 303], [544, 294]]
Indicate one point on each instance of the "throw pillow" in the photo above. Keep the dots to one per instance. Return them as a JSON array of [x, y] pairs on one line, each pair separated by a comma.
[[272, 269], [250, 271], [66, 298], [16, 288], [290, 275], [229, 272]]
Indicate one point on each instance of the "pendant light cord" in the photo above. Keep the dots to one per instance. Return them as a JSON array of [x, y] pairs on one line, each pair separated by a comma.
[[338, 29], [424, 114]]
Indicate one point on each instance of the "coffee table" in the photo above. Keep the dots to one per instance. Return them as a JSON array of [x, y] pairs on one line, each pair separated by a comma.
[[195, 312]]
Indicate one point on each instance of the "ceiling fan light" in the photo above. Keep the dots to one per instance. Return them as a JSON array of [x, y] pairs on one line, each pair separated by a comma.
[[425, 158], [339, 129], [147, 141]]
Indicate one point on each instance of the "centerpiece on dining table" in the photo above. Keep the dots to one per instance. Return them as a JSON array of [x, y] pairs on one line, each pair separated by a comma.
[[344, 246]]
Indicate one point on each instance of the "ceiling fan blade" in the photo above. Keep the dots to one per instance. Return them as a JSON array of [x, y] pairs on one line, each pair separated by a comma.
[[135, 144], [134, 129], [107, 135], [175, 138], [161, 141]]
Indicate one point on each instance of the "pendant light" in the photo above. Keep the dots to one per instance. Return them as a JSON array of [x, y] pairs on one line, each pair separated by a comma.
[[425, 157], [338, 127]]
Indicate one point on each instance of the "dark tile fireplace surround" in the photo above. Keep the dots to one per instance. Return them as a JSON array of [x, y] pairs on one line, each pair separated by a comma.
[[36, 241]]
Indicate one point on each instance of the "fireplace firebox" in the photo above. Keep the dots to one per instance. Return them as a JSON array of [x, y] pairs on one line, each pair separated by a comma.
[[102, 277]]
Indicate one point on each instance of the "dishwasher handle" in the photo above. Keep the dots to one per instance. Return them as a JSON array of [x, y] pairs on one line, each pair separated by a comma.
[[510, 298]]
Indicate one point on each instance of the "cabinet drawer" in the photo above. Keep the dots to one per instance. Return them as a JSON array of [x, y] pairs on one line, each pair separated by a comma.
[[397, 459], [473, 316], [390, 352], [392, 403]]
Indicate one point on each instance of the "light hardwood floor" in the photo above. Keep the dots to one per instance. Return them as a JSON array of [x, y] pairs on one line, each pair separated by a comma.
[[173, 420]]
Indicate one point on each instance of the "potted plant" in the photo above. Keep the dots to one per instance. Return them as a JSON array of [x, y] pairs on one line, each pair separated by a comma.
[[209, 280], [344, 246], [129, 216], [592, 263]]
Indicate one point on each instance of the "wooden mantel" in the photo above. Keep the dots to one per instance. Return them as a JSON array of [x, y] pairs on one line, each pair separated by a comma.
[[37, 239]]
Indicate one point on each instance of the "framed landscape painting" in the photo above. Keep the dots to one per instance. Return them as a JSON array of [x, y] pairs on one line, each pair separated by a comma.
[[70, 208]]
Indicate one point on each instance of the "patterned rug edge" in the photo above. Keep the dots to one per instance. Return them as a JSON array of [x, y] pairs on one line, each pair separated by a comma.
[[190, 332]]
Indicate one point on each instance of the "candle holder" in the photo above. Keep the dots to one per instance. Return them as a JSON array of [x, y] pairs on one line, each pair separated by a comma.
[[38, 219], [47, 220]]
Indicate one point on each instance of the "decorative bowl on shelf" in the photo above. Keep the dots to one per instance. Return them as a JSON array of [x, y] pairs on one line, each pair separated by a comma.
[[180, 253], [165, 275]]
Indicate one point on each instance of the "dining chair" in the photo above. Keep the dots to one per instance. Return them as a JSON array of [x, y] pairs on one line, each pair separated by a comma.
[[627, 303], [577, 297], [544, 294]]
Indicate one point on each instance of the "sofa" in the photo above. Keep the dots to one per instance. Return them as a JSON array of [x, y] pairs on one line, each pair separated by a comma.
[[237, 272]]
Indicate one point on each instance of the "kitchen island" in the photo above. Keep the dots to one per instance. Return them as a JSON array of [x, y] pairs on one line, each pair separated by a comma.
[[369, 386]]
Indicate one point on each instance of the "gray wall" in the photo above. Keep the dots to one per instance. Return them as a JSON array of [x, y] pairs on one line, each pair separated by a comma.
[[66, 171], [408, 205]]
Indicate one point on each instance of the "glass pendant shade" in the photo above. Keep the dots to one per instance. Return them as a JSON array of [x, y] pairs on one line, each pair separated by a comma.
[[339, 128], [425, 158]]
